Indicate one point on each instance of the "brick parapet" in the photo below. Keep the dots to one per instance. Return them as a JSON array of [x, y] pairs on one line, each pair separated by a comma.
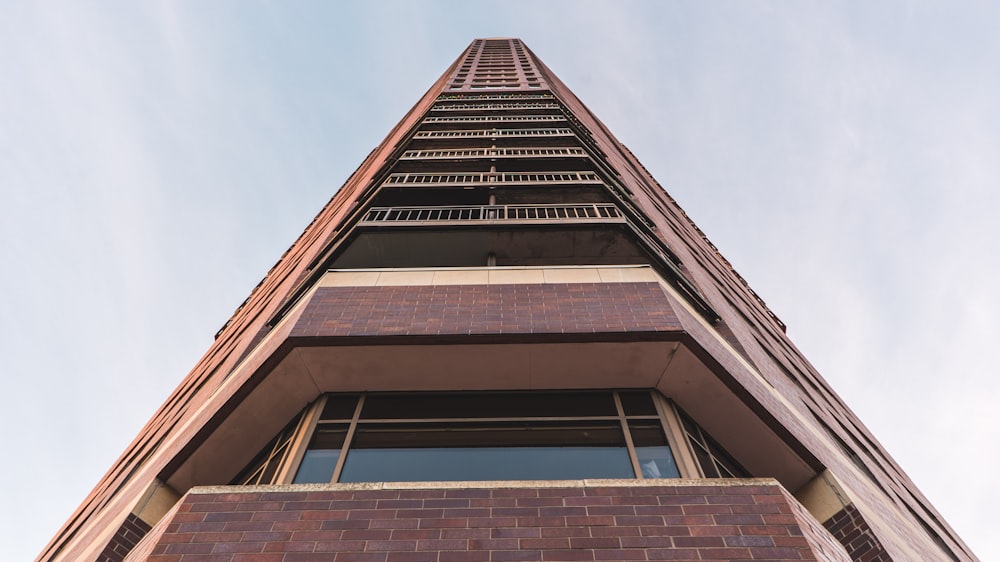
[[576, 520], [487, 309]]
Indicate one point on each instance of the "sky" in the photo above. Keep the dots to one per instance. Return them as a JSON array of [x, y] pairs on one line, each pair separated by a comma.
[[156, 159]]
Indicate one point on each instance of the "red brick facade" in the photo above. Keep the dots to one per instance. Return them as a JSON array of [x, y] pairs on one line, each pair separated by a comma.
[[487, 309], [848, 527], [677, 520], [128, 535]]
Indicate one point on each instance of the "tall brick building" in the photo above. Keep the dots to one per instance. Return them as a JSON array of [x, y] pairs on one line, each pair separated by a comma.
[[502, 340]]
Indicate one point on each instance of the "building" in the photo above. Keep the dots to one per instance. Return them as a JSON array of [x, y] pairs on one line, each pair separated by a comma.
[[502, 340]]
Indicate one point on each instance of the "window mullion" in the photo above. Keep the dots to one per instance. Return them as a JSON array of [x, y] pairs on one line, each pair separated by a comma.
[[628, 437], [677, 439], [348, 438], [300, 442]]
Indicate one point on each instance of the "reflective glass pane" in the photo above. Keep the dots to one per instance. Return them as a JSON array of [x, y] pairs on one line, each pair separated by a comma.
[[317, 466], [652, 451], [657, 462], [320, 459], [499, 451], [485, 463]]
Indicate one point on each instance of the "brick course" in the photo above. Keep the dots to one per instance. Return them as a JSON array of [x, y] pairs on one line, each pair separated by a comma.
[[128, 535], [852, 531], [654, 520], [487, 309]]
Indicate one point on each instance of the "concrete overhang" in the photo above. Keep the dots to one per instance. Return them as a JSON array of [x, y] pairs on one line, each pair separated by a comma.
[[307, 364]]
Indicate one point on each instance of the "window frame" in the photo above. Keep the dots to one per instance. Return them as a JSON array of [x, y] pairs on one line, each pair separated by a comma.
[[667, 415]]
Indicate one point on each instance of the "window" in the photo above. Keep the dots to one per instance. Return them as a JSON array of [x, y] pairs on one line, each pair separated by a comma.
[[714, 461], [387, 437]]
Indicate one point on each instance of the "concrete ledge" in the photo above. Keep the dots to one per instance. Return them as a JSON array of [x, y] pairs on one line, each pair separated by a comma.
[[495, 484], [489, 275]]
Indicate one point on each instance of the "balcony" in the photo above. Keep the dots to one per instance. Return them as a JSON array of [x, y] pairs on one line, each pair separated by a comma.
[[495, 179], [494, 106], [464, 98], [493, 214], [493, 153], [494, 133], [495, 119]]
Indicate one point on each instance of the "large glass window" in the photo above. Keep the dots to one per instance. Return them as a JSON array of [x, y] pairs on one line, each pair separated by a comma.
[[487, 436], [487, 451], [412, 437]]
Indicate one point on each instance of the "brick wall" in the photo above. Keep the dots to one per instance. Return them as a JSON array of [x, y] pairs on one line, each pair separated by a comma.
[[588, 520], [487, 309], [125, 539], [852, 531]]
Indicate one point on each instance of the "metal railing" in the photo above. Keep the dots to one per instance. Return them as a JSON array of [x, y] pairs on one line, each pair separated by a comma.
[[493, 133], [473, 153], [488, 178], [492, 106], [492, 97], [582, 212], [495, 118]]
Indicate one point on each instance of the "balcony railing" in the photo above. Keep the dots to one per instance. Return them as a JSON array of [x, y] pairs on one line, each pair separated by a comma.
[[494, 133], [583, 212], [477, 153], [488, 178], [496, 118], [492, 97], [493, 106]]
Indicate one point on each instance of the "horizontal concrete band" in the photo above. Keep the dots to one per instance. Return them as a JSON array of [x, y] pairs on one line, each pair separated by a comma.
[[488, 276], [507, 484]]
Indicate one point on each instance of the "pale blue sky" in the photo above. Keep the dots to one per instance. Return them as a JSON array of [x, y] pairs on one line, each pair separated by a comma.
[[156, 158]]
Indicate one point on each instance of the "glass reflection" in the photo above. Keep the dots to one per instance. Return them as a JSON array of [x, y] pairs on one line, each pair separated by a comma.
[[317, 466], [652, 451], [657, 462], [488, 451], [320, 460], [485, 463]]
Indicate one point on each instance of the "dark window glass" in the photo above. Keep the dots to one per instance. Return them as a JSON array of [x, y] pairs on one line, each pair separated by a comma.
[[637, 403], [339, 407], [503, 434], [714, 460], [689, 426], [705, 460], [262, 468], [492, 405], [267, 476], [725, 464], [549, 451]]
